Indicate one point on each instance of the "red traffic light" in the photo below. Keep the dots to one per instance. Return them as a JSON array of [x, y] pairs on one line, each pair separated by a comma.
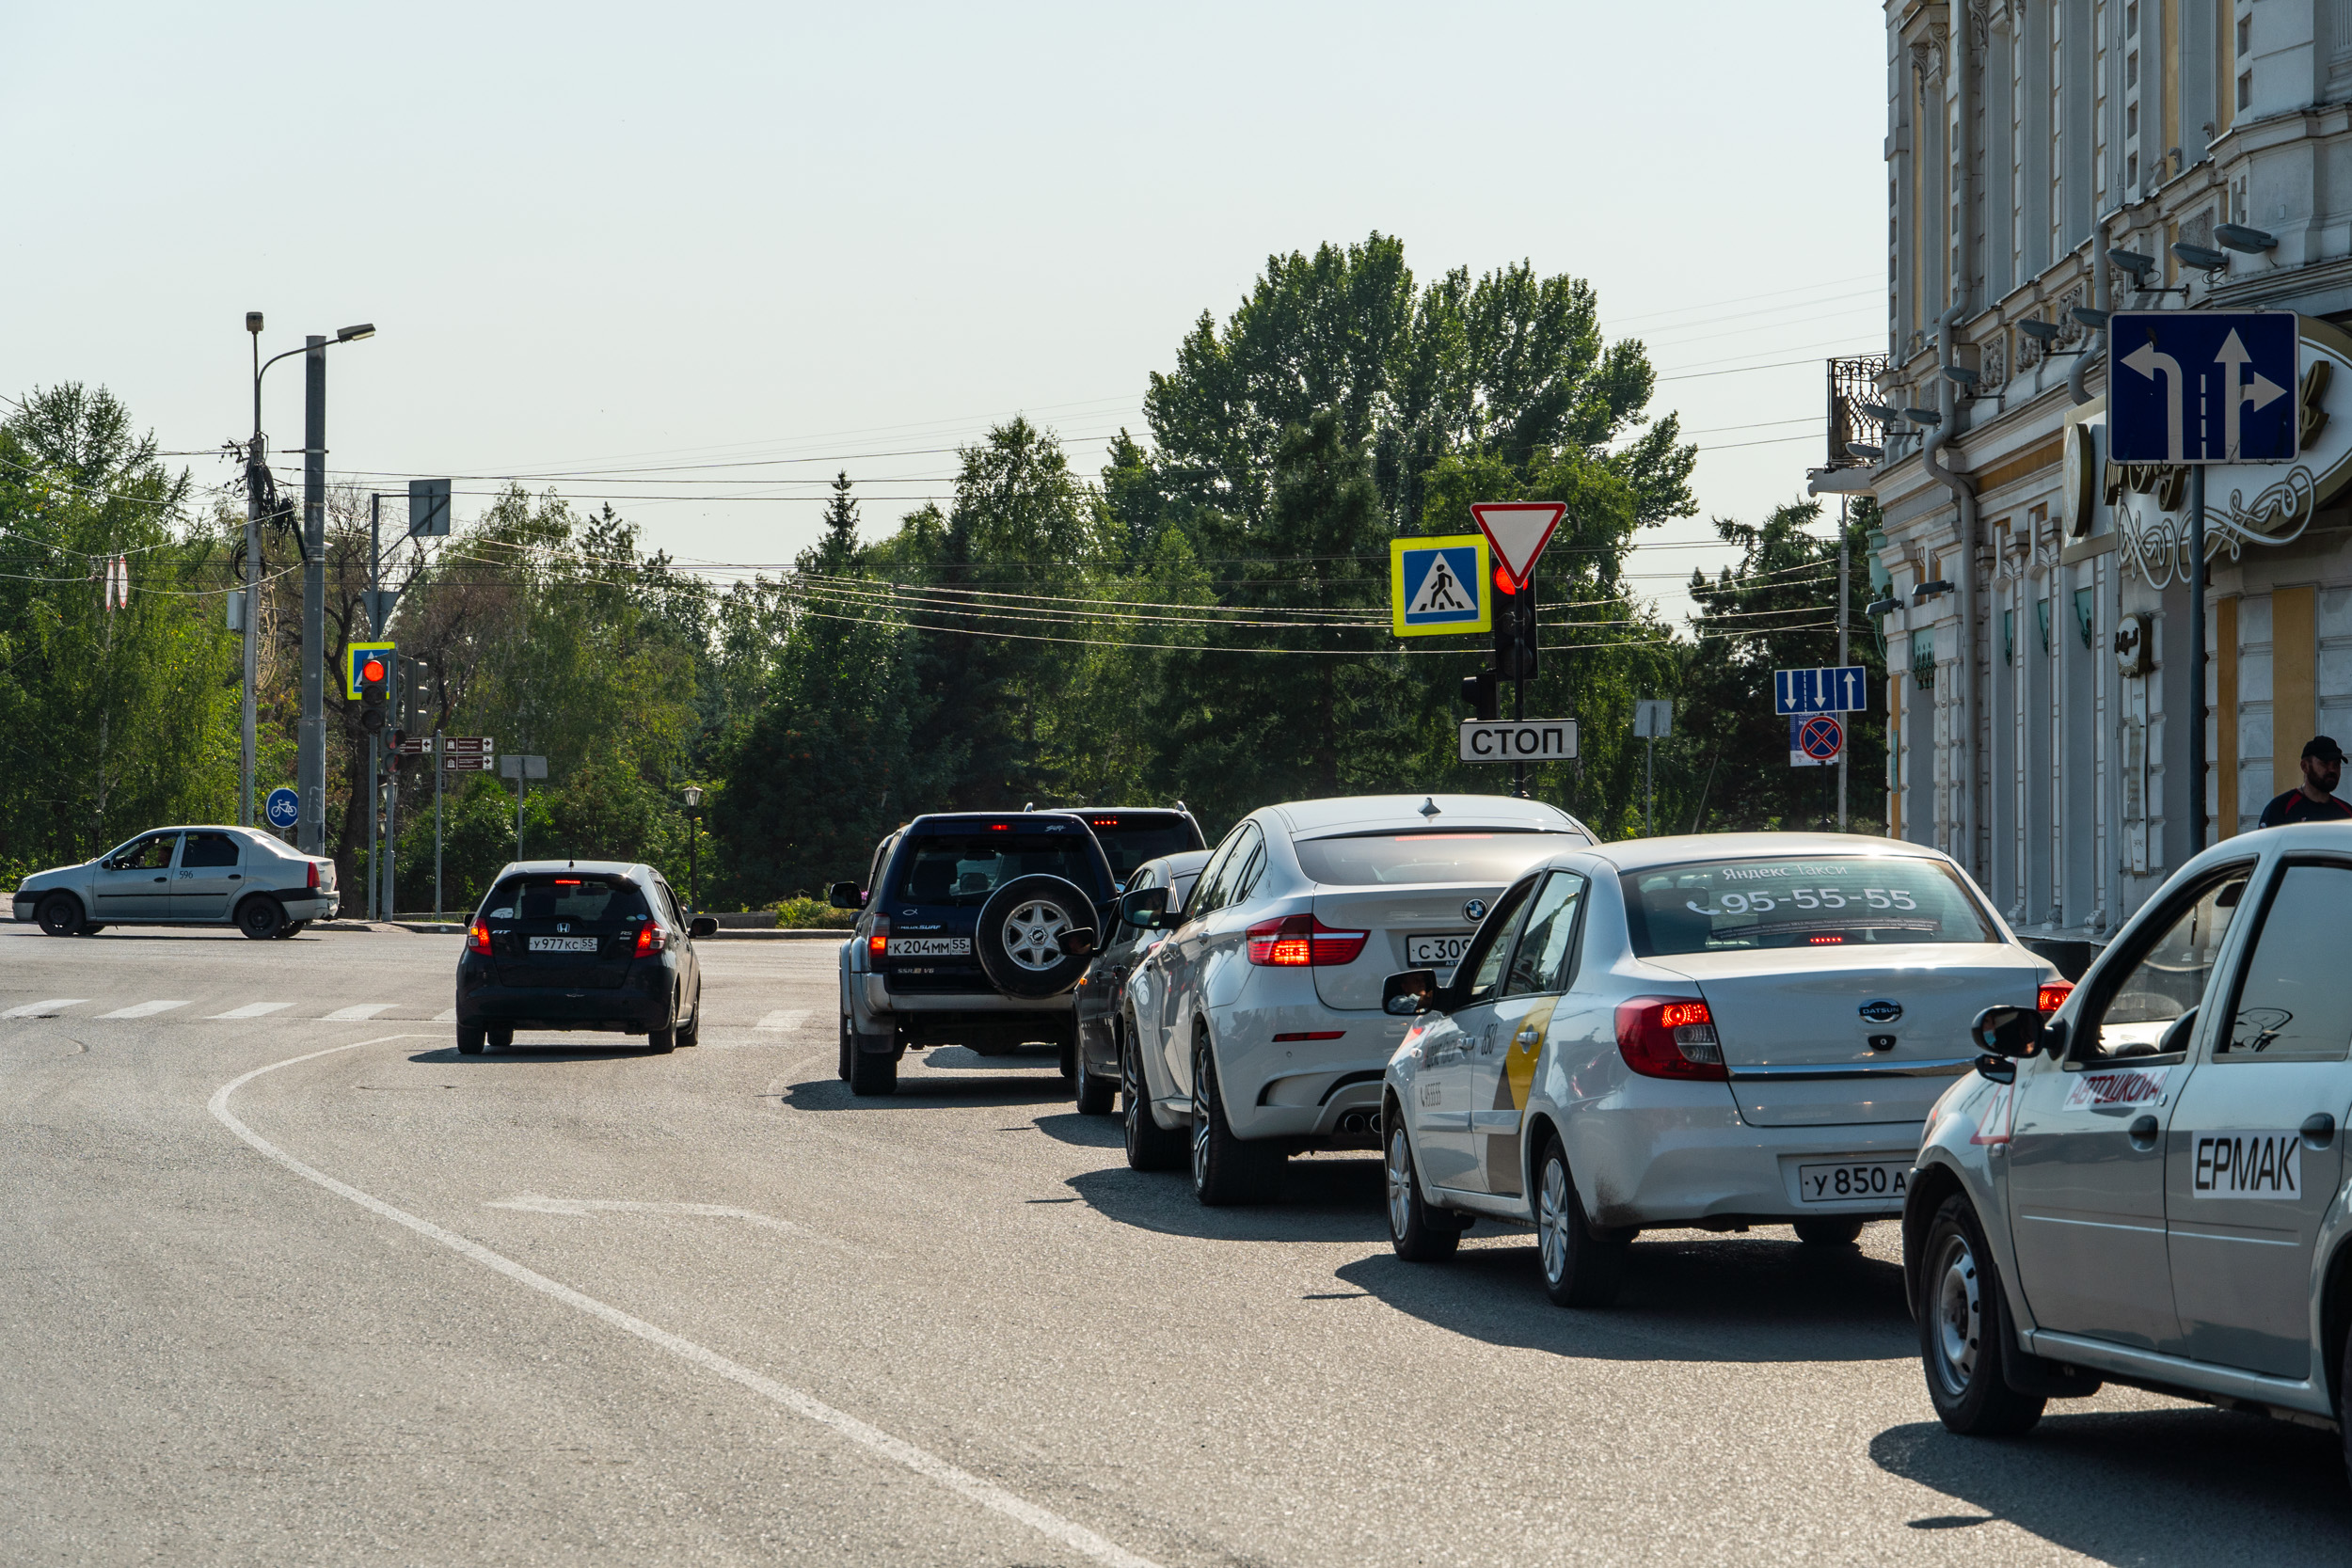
[[371, 671], [1504, 583]]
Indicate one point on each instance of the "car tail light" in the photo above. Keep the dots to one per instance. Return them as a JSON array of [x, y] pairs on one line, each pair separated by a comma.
[[312, 866], [478, 939], [1670, 1037], [878, 944], [2053, 995], [651, 938], [1300, 940]]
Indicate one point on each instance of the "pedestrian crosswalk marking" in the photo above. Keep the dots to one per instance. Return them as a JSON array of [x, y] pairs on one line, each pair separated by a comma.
[[785, 1019], [447, 1015], [143, 1009], [1441, 590], [39, 1009], [354, 1015], [252, 1010]]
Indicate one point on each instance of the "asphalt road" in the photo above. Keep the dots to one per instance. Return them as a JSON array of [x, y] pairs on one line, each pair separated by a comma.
[[289, 1288]]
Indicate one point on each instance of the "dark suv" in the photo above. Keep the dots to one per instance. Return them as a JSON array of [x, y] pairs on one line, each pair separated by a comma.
[[581, 944], [1132, 834], [974, 929]]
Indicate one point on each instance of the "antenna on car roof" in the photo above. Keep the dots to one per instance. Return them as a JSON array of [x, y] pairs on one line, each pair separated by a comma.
[[1430, 807], [1029, 805]]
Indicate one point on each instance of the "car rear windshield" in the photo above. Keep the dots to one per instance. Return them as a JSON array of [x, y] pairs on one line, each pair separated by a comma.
[[583, 903], [1828, 901], [1368, 860], [966, 867], [1129, 841]]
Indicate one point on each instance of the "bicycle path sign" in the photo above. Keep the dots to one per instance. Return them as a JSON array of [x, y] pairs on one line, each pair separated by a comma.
[[1438, 585]]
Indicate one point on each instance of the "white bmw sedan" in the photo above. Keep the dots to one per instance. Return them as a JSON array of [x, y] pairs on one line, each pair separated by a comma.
[[1714, 1031], [1256, 1028]]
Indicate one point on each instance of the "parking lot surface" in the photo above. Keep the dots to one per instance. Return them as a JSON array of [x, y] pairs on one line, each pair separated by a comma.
[[289, 1280]]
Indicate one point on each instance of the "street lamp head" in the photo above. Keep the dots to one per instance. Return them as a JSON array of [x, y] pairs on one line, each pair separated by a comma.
[[2040, 331], [253, 322], [693, 795], [1923, 416], [1882, 413], [352, 334], [2094, 319], [2202, 256]]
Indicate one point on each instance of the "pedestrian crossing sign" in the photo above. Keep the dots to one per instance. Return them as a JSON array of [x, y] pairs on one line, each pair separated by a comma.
[[1438, 586]]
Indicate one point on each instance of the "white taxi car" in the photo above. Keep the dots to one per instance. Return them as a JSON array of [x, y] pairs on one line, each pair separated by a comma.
[[1714, 1031], [2150, 1187]]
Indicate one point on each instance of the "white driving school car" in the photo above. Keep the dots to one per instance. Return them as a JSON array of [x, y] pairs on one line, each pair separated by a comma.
[[1712, 1031], [2149, 1187], [1257, 1025]]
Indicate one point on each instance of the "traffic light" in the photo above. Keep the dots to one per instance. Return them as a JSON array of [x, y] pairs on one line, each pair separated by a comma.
[[376, 685], [1478, 693], [1515, 626]]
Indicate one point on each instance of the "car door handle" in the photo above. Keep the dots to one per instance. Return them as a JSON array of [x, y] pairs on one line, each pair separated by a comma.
[[2143, 1130], [236, 877], [2320, 1129], [162, 879]]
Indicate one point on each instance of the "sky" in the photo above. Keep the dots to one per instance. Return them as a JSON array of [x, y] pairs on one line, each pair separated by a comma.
[[634, 251]]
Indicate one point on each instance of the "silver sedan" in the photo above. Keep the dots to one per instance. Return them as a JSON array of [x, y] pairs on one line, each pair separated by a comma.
[[1714, 1031], [189, 876]]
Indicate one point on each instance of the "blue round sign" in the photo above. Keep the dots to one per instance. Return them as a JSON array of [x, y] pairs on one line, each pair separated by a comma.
[[283, 807]]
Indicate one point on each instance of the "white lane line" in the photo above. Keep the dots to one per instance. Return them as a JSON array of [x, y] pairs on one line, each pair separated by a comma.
[[252, 1010], [447, 1015], [626, 1206], [144, 1009], [987, 1494], [785, 1019], [35, 1009], [359, 1014]]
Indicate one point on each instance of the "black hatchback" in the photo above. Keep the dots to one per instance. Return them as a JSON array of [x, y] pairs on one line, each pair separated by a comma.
[[581, 944]]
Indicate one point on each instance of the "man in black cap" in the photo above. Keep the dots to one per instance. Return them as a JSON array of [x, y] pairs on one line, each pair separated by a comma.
[[2315, 801]]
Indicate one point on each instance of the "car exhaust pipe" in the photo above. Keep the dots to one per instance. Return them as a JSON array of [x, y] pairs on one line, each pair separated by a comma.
[[1367, 1121]]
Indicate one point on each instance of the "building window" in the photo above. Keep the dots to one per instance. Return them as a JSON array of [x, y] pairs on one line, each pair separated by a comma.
[[2245, 35], [1923, 659], [2245, 89], [2131, 18], [2082, 613], [2008, 637], [2131, 69], [2131, 120], [2131, 169], [2042, 615]]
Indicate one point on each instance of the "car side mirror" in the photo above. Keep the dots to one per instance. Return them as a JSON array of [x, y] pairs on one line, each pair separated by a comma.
[[1078, 941], [1146, 909], [702, 925], [845, 896], [1410, 993], [2008, 1031]]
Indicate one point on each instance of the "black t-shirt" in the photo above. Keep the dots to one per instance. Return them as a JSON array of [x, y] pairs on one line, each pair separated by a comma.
[[2295, 806]]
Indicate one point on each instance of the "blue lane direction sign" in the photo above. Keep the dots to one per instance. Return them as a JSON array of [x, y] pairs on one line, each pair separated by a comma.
[[282, 808], [1438, 586], [1815, 739], [2202, 386], [1832, 689]]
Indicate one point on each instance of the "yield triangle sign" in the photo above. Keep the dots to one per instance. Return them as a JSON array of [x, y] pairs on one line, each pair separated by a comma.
[[1519, 531]]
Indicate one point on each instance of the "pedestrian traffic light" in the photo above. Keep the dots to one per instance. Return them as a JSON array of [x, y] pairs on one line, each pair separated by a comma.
[[376, 685], [1515, 626], [1478, 693]]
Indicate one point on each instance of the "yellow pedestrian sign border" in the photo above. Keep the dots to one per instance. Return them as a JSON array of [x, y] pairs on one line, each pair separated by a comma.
[[1438, 586], [355, 656]]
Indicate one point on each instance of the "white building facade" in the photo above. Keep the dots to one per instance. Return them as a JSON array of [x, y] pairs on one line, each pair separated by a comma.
[[2046, 156]]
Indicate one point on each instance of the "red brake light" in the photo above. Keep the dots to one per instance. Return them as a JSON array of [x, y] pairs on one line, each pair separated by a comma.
[[1667, 1036], [478, 938], [1000, 827], [1301, 939], [312, 866], [2053, 995], [1105, 822], [567, 881], [878, 944], [1831, 940], [650, 939]]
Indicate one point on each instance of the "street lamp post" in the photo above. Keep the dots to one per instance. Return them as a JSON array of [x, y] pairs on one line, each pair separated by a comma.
[[694, 822]]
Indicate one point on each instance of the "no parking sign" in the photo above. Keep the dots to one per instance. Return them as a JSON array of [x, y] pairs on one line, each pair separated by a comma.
[[1815, 739]]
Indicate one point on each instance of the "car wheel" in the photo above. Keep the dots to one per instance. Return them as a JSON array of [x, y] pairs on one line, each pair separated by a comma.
[[1225, 1169], [1066, 1052], [1097, 1096], [89, 928], [1418, 1232], [849, 1046], [501, 1037], [1580, 1268], [60, 915], [1019, 936], [1960, 1335], [1150, 1146], [470, 1039], [689, 1034], [1829, 1232], [293, 929], [261, 918], [873, 1072]]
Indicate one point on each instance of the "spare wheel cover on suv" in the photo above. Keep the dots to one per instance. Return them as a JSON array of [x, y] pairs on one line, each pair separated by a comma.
[[1019, 938]]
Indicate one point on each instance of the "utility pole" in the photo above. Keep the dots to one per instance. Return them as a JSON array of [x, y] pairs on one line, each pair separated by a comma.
[[1843, 564], [256, 471], [311, 745], [440, 765]]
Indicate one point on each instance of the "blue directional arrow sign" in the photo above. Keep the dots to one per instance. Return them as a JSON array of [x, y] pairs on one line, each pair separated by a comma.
[[1832, 689], [2202, 386]]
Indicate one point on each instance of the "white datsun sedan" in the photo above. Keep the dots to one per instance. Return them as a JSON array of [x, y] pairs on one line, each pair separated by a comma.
[[2149, 1187], [1714, 1031]]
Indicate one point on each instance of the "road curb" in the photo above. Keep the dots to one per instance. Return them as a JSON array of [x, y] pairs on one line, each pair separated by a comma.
[[784, 935]]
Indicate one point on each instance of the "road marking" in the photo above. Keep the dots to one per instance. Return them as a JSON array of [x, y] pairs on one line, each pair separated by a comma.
[[37, 1010], [625, 1206], [922, 1462], [359, 1014], [144, 1009], [785, 1019], [447, 1015], [252, 1010]]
